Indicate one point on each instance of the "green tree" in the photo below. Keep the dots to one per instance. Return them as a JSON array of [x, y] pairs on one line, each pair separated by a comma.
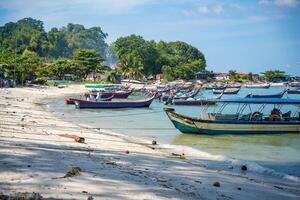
[[233, 75], [25, 34], [131, 66], [114, 76], [78, 37], [27, 65], [273, 74], [144, 50], [85, 62], [8, 61], [167, 73], [59, 68]]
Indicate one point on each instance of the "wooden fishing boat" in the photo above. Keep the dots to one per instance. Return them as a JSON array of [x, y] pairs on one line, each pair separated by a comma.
[[294, 84], [264, 85], [117, 94], [278, 84], [216, 123], [194, 102], [115, 104], [227, 91], [233, 86], [296, 91], [72, 100], [277, 95], [214, 87]]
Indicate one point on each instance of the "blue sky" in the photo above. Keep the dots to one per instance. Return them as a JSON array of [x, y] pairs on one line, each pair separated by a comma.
[[245, 35]]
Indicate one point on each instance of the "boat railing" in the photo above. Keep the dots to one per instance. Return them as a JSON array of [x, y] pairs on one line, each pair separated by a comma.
[[254, 116]]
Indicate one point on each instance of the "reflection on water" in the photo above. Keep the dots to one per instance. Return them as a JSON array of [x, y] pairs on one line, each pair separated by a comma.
[[279, 152]]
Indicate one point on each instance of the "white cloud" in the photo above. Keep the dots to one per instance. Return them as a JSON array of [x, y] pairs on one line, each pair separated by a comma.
[[216, 9], [202, 9], [281, 3]]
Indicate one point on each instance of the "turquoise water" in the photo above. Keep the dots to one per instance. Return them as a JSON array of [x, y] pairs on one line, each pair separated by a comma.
[[279, 152]]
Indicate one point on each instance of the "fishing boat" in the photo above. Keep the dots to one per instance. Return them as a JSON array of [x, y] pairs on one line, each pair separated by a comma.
[[216, 123], [278, 84], [214, 87], [294, 84], [233, 86], [72, 100], [263, 85], [115, 104], [116, 94], [227, 91], [277, 95], [295, 91], [193, 102]]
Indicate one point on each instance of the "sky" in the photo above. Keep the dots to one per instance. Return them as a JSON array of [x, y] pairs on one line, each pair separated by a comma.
[[242, 35]]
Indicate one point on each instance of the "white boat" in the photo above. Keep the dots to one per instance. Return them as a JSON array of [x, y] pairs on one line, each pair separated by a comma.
[[279, 84], [294, 84], [258, 85]]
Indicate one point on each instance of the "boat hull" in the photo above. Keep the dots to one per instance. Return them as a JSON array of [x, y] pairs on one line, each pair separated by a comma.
[[293, 91], [114, 104], [279, 95], [72, 100], [264, 86], [208, 127], [215, 88], [193, 102], [225, 92]]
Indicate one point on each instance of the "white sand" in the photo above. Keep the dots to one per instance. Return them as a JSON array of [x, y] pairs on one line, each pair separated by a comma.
[[34, 157]]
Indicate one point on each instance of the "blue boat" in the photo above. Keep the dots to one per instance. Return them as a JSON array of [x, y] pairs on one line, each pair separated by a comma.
[[277, 95], [256, 122], [215, 87], [115, 104]]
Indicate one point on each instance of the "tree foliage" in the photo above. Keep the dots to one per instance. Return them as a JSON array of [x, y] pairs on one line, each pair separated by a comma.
[[29, 34], [86, 61], [27, 52], [181, 59], [271, 75], [27, 65]]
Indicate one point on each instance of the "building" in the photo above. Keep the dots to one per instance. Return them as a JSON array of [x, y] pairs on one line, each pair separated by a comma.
[[220, 76]]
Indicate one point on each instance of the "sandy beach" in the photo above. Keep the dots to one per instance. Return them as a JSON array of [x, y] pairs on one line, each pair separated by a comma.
[[35, 157]]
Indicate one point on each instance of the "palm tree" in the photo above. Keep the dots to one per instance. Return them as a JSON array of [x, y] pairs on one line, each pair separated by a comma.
[[131, 67], [113, 76]]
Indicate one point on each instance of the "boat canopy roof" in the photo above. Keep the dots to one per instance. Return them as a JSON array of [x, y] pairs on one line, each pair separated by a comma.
[[260, 101]]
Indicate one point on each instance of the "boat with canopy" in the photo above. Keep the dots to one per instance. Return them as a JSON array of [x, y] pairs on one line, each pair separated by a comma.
[[250, 117]]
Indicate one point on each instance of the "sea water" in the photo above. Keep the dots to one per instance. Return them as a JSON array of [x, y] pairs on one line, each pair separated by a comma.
[[279, 152]]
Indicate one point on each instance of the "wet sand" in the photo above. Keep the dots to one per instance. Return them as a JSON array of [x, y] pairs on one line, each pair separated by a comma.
[[34, 157]]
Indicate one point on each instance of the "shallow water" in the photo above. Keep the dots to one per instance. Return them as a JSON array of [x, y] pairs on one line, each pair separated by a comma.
[[279, 152]]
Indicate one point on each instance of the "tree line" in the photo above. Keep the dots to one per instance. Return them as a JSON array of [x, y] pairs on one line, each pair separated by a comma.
[[28, 52]]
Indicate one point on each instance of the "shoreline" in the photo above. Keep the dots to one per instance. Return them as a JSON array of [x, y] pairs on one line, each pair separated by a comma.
[[113, 167]]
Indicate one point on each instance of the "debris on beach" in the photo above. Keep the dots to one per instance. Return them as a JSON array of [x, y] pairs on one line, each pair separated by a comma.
[[154, 142], [244, 168], [127, 152], [75, 171], [181, 156], [90, 198], [216, 184], [21, 196], [75, 137]]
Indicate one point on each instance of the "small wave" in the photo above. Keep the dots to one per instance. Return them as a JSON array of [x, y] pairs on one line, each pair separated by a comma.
[[222, 162]]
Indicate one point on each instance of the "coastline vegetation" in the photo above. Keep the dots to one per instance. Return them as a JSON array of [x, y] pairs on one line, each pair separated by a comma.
[[28, 52]]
